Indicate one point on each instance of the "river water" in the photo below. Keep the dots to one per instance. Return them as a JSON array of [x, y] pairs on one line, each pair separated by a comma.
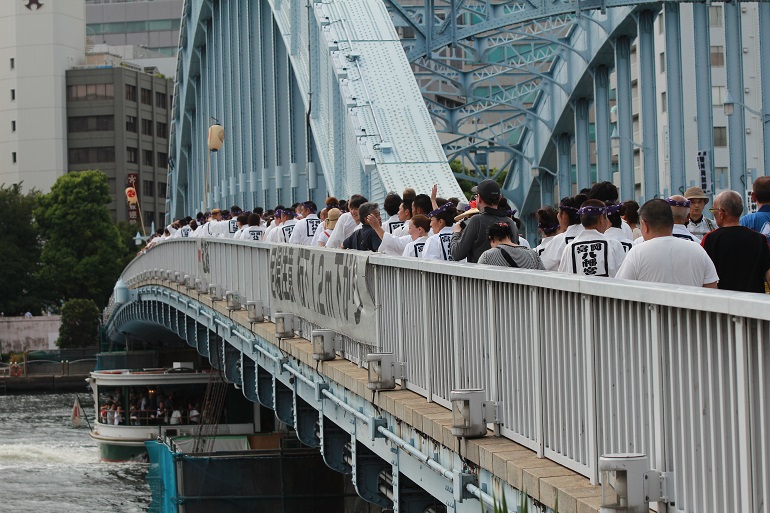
[[48, 466]]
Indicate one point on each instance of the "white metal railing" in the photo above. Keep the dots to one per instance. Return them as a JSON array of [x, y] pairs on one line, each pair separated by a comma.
[[581, 366]]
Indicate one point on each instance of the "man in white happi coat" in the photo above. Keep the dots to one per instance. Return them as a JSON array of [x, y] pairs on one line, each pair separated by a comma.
[[305, 229], [591, 253], [347, 223]]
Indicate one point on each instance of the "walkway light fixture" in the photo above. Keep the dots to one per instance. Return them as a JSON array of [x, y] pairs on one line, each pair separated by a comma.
[[233, 299], [256, 311], [471, 412], [215, 292], [383, 371], [324, 345], [201, 286], [284, 325], [628, 485]]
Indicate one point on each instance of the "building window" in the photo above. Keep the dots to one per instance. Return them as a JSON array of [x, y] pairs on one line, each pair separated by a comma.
[[161, 190], [147, 127], [161, 130], [130, 93], [13, 126], [662, 62], [663, 105], [148, 187], [720, 136], [146, 96], [90, 123], [149, 217], [160, 100], [13, 157], [13, 63], [13, 94], [718, 94], [147, 157], [715, 15], [131, 155], [718, 56], [90, 92], [720, 177], [661, 24], [131, 124], [162, 160], [91, 155]]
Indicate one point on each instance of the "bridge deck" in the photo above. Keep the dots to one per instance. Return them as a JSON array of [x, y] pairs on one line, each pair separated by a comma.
[[542, 479]]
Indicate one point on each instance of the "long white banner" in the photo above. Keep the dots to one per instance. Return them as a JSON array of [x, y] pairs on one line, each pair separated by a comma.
[[328, 288]]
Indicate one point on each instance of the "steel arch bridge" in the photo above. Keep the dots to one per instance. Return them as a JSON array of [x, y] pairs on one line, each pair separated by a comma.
[[320, 97]]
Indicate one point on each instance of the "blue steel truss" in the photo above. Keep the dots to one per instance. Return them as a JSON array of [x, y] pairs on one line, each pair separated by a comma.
[[318, 97]]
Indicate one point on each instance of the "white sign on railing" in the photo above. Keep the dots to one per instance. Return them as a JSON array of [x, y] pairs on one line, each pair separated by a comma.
[[328, 288]]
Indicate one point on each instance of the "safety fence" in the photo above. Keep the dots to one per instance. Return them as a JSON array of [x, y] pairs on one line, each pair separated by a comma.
[[580, 366]]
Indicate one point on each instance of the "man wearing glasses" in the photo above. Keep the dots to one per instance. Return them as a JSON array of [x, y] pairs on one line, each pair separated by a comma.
[[740, 255]]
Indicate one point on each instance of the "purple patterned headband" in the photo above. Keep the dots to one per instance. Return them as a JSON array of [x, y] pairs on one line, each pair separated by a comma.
[[512, 212], [548, 227], [562, 206], [309, 206], [443, 208], [592, 211], [675, 203], [613, 209]]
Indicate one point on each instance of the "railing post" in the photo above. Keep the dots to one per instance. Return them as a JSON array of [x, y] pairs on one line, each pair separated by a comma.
[[592, 456], [658, 390], [426, 339], [536, 317], [743, 409]]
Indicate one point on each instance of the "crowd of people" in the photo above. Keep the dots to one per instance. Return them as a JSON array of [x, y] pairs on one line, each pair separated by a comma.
[[591, 234], [148, 407]]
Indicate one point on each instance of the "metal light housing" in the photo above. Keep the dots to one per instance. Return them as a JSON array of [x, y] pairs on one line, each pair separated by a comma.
[[323, 345], [284, 325], [215, 291], [255, 311], [468, 413], [189, 282], [201, 286], [233, 298], [623, 483], [178, 277], [382, 374]]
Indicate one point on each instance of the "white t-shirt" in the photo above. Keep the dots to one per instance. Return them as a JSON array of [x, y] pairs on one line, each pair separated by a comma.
[[592, 254], [305, 230], [669, 260], [415, 247], [437, 246]]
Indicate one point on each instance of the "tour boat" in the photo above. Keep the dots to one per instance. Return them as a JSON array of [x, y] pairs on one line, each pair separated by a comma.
[[134, 406]]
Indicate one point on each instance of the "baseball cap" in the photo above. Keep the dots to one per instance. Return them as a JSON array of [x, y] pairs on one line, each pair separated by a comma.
[[488, 190], [695, 193], [331, 218]]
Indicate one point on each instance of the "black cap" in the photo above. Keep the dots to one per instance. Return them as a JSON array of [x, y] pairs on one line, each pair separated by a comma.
[[488, 191]]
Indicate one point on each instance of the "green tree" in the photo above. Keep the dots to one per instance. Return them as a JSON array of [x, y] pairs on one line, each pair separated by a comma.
[[83, 252], [19, 251], [79, 324]]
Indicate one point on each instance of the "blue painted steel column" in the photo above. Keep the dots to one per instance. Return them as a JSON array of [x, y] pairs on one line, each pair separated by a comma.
[[582, 143], [602, 123], [625, 118], [648, 96], [546, 188], [564, 153], [737, 122], [675, 107], [703, 99], [764, 50]]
